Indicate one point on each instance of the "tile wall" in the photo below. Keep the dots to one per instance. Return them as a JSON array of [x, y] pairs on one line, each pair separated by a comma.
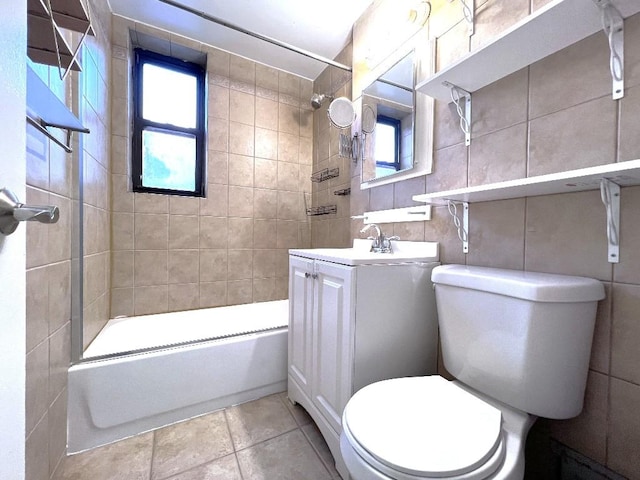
[[331, 230], [172, 253], [555, 115], [52, 178]]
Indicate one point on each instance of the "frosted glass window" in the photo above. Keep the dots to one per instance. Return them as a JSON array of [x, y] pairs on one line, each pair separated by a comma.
[[168, 160], [385, 147], [169, 96]]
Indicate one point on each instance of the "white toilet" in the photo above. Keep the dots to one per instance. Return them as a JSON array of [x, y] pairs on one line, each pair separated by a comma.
[[518, 344]]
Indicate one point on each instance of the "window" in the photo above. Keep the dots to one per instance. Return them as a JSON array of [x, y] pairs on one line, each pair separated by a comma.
[[168, 125], [387, 146]]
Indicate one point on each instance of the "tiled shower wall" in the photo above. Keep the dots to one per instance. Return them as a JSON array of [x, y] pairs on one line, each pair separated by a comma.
[[331, 230], [52, 178], [175, 253], [553, 116]]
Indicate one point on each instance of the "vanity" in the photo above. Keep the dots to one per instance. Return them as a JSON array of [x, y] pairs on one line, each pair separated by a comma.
[[357, 317]]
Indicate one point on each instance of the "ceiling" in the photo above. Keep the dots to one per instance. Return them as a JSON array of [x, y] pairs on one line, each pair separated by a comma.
[[322, 27]]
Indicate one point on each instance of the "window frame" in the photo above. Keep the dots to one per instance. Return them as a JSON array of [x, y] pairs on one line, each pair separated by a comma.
[[140, 124], [397, 127]]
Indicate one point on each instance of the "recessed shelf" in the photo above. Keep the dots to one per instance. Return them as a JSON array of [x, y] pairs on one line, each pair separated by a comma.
[[555, 26], [624, 174]]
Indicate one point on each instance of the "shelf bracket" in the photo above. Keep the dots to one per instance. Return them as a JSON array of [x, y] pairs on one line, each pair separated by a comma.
[[613, 26], [468, 10], [610, 194], [457, 94], [462, 227]]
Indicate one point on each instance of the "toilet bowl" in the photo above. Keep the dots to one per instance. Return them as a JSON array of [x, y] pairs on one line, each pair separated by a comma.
[[518, 344], [429, 427]]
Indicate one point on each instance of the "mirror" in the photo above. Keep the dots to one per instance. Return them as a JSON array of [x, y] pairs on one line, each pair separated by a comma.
[[387, 122]]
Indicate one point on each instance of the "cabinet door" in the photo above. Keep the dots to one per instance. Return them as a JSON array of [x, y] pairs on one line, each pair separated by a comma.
[[300, 320], [334, 310]]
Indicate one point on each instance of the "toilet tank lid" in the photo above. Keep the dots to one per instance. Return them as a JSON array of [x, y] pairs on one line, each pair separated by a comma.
[[534, 286]]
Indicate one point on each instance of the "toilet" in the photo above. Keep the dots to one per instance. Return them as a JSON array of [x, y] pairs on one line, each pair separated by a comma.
[[518, 344]]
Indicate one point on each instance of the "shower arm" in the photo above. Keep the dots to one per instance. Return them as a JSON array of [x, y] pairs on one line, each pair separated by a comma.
[[259, 36]]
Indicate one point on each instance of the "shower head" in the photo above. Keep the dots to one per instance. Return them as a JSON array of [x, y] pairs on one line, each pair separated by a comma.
[[318, 98]]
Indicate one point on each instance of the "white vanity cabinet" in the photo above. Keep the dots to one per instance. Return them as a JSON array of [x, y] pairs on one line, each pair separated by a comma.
[[355, 318]]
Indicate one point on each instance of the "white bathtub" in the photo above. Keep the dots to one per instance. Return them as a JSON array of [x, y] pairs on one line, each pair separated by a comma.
[[114, 398]]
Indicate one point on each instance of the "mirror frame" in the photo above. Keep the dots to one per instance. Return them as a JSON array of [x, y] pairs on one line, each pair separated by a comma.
[[424, 66]]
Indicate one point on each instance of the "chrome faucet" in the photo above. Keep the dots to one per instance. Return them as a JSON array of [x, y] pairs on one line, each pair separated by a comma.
[[380, 243]]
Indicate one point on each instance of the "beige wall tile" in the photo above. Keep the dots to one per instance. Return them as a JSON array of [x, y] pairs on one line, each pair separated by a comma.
[[625, 332], [264, 289], [264, 233], [587, 433], [266, 77], [240, 232], [184, 266], [37, 308], [151, 203], [266, 173], [184, 205], [122, 302], [449, 169], [216, 203], [213, 232], [151, 268], [287, 234], [151, 231], [59, 295], [632, 57], [624, 428], [556, 139], [501, 104], [265, 203], [555, 223], [122, 268], [184, 297], [184, 231], [122, 231], [242, 70], [59, 361], [601, 346], [381, 198], [288, 147], [441, 229], [240, 201], [558, 81], [37, 463], [498, 156], [288, 176], [452, 45], [628, 270], [37, 387], [493, 17], [266, 113], [629, 146], [37, 233], [240, 291], [217, 61], [289, 206], [496, 234], [446, 126], [217, 167], [242, 107], [288, 119], [218, 134], [151, 299], [241, 139], [405, 190], [219, 101], [241, 170], [240, 265], [213, 294], [264, 263], [213, 265], [266, 143]]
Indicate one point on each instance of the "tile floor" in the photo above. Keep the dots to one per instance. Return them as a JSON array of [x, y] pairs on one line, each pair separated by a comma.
[[267, 439]]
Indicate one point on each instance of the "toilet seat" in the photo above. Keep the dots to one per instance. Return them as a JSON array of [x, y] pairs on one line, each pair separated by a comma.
[[424, 427]]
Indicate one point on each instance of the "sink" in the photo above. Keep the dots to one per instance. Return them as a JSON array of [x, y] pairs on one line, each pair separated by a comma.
[[360, 254]]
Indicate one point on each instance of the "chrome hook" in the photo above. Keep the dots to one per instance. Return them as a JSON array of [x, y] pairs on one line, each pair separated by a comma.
[[12, 212]]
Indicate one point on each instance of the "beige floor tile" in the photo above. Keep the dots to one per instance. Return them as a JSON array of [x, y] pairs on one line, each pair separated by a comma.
[[318, 443], [257, 421], [225, 468], [299, 414], [189, 444], [287, 457], [128, 459]]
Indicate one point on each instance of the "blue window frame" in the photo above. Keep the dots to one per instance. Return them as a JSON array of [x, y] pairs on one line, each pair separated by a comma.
[[169, 125]]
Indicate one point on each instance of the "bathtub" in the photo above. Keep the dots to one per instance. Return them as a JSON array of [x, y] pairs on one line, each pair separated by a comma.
[[143, 388]]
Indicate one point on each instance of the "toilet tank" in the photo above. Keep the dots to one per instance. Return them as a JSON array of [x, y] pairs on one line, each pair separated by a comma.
[[523, 338]]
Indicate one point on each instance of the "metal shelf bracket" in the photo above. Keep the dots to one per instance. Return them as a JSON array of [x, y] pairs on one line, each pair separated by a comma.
[[468, 9], [457, 94], [610, 194], [462, 227], [613, 26]]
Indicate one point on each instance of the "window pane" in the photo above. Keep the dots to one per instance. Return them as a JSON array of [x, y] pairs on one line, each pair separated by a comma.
[[169, 96], [168, 160], [385, 145]]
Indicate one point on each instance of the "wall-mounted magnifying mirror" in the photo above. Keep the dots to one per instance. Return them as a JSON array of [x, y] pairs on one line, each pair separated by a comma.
[[341, 113], [387, 122]]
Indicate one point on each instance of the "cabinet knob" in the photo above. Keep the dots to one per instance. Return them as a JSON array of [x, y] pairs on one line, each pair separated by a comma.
[[314, 276], [307, 274]]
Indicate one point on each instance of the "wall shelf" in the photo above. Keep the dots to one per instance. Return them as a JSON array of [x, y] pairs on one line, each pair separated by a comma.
[[606, 178], [46, 43], [45, 110], [555, 26]]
